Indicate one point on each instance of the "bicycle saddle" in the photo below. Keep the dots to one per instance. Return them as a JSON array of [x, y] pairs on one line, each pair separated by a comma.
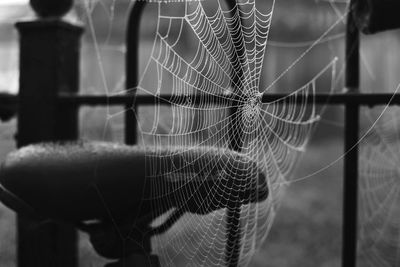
[[92, 181]]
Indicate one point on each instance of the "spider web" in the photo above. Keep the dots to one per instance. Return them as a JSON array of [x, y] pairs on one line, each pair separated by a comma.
[[379, 240], [226, 64], [210, 59]]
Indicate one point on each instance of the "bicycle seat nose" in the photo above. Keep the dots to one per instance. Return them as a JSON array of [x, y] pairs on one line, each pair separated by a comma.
[[75, 182], [93, 180]]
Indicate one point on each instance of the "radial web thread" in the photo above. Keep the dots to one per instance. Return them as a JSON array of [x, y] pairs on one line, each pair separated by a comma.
[[226, 63], [379, 236]]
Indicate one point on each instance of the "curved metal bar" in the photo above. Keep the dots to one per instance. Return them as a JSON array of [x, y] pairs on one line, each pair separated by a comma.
[[132, 60], [132, 66], [132, 44]]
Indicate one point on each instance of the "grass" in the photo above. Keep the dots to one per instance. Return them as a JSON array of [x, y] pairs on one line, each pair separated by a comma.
[[307, 229]]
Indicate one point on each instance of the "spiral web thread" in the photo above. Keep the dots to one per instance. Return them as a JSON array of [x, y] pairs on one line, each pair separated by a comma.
[[226, 64], [379, 236], [211, 63]]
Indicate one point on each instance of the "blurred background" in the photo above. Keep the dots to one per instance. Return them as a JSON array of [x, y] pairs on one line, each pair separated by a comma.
[[307, 229]]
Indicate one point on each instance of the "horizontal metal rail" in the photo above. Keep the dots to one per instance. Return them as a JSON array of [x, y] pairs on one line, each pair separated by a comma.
[[10, 101], [322, 98]]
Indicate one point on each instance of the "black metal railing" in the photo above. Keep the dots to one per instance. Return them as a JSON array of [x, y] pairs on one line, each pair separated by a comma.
[[70, 101]]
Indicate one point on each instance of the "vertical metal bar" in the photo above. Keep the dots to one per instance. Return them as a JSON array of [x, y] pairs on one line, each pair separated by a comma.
[[233, 211], [352, 110], [352, 77], [132, 69], [49, 64]]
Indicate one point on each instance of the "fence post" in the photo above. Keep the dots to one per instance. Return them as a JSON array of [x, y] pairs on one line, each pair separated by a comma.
[[352, 112], [49, 64]]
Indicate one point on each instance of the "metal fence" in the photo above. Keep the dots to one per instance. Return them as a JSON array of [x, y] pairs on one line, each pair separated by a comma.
[[47, 108]]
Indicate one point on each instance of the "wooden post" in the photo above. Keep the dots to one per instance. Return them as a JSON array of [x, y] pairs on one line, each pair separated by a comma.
[[49, 64]]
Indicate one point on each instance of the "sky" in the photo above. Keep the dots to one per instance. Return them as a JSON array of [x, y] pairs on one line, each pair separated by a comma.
[[13, 2], [10, 12]]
